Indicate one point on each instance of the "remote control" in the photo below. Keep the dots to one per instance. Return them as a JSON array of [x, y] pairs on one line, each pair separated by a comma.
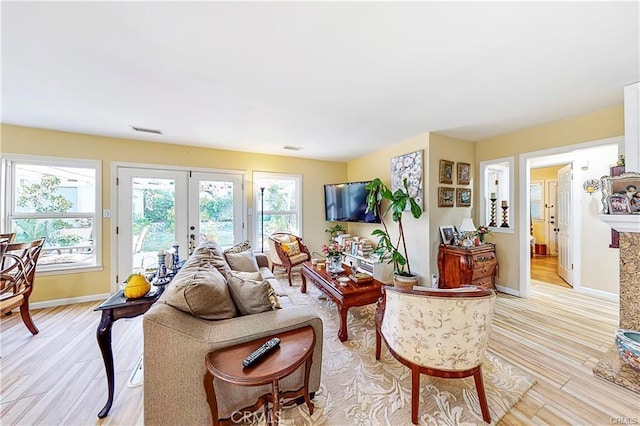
[[259, 353]]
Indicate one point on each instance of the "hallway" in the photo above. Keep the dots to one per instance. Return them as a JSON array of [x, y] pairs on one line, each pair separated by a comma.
[[545, 269]]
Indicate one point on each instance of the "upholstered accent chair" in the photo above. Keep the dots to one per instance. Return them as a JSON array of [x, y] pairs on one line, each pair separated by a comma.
[[287, 250], [441, 333], [17, 276]]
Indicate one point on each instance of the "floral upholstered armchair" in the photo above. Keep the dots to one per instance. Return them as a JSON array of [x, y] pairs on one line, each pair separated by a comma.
[[287, 250], [437, 332]]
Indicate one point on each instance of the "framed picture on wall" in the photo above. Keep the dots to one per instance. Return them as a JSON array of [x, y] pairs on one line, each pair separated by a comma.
[[463, 197], [464, 173], [446, 171], [445, 196]]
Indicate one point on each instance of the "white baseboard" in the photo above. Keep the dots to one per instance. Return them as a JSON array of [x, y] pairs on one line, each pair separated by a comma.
[[508, 290], [69, 301], [613, 297]]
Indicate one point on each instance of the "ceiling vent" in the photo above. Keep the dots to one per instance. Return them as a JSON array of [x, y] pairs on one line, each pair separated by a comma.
[[292, 148], [145, 130]]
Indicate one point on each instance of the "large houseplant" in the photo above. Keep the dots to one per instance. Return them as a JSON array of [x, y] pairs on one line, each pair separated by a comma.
[[382, 201]]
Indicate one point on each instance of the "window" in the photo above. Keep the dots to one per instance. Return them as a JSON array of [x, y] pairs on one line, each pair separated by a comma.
[[536, 198], [497, 194], [278, 206], [57, 199]]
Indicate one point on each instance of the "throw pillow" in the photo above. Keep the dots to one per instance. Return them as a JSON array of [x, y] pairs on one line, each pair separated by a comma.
[[257, 276], [202, 293], [243, 246], [284, 238], [209, 252], [249, 296], [244, 261], [291, 249]]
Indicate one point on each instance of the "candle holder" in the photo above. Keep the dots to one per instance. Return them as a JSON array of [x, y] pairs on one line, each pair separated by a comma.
[[493, 212], [176, 258], [505, 217], [161, 273]]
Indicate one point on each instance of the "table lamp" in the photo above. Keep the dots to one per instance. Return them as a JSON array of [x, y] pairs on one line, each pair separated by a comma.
[[468, 230]]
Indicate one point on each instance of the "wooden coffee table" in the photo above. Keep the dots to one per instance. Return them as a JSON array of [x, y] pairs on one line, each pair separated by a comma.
[[296, 348], [344, 296]]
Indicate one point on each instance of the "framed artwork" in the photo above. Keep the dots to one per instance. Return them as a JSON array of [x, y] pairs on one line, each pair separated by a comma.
[[446, 172], [464, 173], [445, 196], [448, 234], [627, 185], [463, 197], [409, 167], [618, 204]]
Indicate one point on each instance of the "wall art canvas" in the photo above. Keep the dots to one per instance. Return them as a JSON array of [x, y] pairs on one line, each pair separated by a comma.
[[409, 167], [464, 173], [463, 197]]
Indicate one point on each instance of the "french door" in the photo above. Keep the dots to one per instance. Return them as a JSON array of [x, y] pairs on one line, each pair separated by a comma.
[[158, 209]]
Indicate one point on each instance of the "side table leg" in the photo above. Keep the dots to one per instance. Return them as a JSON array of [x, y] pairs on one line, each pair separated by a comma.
[[343, 335], [275, 392], [307, 371], [303, 286], [104, 342], [211, 397]]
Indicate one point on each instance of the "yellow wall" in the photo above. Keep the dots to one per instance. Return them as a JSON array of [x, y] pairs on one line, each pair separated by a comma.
[[378, 164], [22, 140], [589, 127], [543, 174]]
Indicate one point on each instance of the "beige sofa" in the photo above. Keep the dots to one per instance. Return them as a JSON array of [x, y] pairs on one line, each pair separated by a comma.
[[176, 342]]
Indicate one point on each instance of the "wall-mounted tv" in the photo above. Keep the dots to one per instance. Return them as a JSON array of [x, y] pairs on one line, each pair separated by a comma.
[[347, 202]]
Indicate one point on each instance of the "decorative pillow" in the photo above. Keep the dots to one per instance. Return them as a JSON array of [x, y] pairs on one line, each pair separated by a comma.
[[209, 252], [291, 249], [243, 246], [257, 276], [244, 261], [202, 293], [285, 238], [250, 296]]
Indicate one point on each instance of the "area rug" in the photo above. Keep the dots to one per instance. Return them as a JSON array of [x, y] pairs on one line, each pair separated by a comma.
[[356, 389]]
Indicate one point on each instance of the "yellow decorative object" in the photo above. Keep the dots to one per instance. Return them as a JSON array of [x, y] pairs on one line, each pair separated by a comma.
[[137, 286], [291, 248]]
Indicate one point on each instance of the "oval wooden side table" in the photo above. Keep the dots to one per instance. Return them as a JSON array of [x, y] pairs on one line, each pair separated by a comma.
[[296, 348]]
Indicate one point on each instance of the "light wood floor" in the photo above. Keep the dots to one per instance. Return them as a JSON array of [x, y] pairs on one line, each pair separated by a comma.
[[57, 377], [545, 269]]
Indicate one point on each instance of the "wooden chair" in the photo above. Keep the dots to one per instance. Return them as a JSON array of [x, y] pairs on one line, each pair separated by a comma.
[[7, 238], [441, 333], [17, 276], [287, 250]]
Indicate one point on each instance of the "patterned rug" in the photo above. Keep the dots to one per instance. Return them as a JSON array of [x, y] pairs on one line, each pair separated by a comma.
[[358, 390]]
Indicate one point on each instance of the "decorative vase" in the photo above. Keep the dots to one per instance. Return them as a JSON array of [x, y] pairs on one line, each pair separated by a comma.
[[335, 263]]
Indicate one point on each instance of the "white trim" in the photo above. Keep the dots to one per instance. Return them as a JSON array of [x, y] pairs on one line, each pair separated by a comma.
[[631, 142], [621, 222], [70, 270], [69, 301], [524, 163], [508, 290], [613, 297]]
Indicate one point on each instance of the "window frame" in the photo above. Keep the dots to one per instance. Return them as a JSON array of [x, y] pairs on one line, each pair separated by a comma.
[[257, 177], [7, 183], [506, 192]]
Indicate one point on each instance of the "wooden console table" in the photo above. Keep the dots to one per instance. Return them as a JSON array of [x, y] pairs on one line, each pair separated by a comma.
[[476, 265], [346, 296]]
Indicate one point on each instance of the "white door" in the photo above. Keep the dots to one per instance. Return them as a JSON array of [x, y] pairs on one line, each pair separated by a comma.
[[159, 208], [217, 209], [564, 210], [551, 203]]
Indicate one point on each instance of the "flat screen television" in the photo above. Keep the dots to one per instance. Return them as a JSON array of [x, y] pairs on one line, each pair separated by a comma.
[[347, 202]]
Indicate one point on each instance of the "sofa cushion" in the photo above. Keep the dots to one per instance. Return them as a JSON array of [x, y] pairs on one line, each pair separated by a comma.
[[260, 276], [202, 292], [209, 252], [250, 293], [240, 247], [244, 261]]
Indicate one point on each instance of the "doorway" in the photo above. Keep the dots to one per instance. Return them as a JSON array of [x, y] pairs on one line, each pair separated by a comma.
[[160, 209], [581, 260]]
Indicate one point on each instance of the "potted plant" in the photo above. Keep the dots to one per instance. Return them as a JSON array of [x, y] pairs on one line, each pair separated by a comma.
[[334, 231], [395, 203]]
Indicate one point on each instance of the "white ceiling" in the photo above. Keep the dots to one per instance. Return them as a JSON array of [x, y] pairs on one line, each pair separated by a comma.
[[338, 79]]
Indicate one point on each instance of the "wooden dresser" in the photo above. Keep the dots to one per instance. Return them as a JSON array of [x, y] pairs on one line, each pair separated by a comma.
[[473, 265]]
